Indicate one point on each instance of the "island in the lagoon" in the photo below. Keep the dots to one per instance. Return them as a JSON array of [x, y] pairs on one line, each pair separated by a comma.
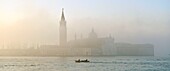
[[90, 46]]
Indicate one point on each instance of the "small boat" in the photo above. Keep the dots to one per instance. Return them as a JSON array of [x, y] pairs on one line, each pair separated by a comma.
[[85, 61]]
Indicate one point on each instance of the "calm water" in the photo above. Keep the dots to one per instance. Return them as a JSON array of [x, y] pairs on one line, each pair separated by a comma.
[[96, 64]]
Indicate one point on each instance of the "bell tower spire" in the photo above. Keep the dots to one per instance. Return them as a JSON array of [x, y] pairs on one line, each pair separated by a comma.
[[62, 16], [63, 30]]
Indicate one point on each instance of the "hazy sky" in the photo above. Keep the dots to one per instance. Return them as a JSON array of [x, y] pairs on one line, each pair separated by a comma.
[[136, 21]]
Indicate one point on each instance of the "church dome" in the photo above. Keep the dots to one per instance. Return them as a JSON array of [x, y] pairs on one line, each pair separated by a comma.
[[92, 34]]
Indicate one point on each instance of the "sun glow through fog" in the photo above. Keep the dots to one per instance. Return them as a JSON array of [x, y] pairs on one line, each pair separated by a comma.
[[9, 11], [137, 21]]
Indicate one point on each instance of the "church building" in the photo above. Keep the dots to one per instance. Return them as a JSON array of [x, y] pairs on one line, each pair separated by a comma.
[[94, 45]]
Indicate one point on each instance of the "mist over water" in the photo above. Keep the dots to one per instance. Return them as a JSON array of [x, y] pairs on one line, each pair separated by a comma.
[[95, 64], [109, 35], [37, 21]]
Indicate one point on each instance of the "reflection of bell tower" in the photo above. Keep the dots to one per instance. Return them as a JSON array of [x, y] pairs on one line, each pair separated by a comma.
[[63, 31]]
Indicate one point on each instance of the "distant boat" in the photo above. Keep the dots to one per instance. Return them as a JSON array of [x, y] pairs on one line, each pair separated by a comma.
[[85, 61]]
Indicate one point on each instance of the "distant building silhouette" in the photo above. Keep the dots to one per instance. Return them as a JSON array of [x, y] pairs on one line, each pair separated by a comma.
[[63, 30], [90, 46], [92, 34]]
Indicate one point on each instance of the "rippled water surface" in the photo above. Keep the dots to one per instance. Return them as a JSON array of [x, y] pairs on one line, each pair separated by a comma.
[[96, 64]]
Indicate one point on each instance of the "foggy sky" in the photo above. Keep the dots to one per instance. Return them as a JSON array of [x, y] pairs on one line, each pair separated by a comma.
[[135, 21]]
